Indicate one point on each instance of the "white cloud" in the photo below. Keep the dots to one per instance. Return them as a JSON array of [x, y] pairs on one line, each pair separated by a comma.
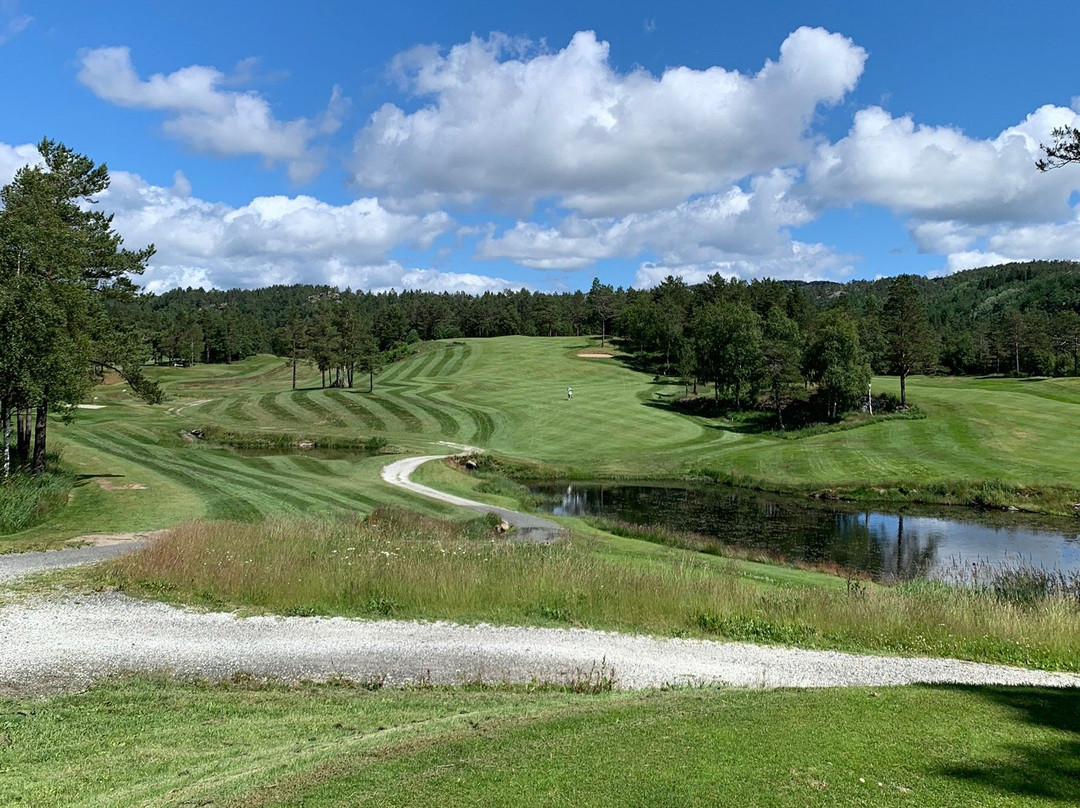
[[270, 240], [737, 226], [940, 174], [12, 22], [209, 119], [510, 124], [12, 158], [796, 261]]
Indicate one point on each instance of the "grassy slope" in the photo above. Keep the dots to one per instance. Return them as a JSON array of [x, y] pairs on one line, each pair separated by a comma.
[[154, 743]]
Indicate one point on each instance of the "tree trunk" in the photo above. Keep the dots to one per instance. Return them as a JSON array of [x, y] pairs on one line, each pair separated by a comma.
[[40, 425], [294, 373], [22, 436], [903, 391], [5, 420], [371, 382]]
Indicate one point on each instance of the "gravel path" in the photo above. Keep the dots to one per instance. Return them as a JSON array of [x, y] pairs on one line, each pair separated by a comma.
[[71, 641], [50, 644], [529, 527], [19, 565]]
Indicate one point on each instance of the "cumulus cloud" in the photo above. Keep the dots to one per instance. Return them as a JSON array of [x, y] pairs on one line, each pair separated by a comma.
[[976, 202], [510, 122], [796, 261], [210, 119], [937, 173], [716, 227], [270, 240]]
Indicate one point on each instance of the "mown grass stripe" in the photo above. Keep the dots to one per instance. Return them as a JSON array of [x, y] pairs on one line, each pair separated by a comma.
[[448, 426], [419, 365], [269, 404], [324, 414], [446, 352], [352, 402], [407, 419], [460, 357], [237, 409], [219, 503], [485, 426]]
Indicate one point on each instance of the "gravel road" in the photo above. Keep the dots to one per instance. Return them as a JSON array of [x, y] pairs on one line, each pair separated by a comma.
[[71, 642], [63, 642]]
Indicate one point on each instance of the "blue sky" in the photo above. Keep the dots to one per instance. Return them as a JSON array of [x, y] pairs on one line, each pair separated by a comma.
[[475, 146]]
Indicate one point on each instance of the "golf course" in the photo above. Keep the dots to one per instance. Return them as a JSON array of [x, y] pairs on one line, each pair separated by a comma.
[[507, 397], [258, 525]]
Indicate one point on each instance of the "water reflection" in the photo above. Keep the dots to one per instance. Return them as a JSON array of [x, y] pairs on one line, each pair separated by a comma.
[[887, 546]]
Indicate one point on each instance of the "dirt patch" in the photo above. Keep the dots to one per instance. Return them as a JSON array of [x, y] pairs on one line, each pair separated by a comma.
[[109, 485], [106, 539], [591, 355]]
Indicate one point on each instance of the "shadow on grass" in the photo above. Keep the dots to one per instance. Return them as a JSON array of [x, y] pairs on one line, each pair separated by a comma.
[[1048, 770]]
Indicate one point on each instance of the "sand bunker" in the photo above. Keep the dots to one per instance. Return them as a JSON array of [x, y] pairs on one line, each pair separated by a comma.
[[595, 355]]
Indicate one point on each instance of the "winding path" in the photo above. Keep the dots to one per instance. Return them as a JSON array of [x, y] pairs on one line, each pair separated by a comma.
[[49, 643], [528, 527]]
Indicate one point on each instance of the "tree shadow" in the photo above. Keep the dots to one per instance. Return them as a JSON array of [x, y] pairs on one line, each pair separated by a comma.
[[1048, 770]]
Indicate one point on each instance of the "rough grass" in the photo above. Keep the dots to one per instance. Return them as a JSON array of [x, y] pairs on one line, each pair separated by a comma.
[[26, 500], [402, 565], [148, 742]]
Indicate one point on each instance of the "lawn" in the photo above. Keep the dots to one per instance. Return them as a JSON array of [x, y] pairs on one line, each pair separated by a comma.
[[166, 743]]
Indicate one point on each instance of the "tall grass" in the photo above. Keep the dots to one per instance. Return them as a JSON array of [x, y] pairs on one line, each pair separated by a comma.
[[26, 500], [403, 565]]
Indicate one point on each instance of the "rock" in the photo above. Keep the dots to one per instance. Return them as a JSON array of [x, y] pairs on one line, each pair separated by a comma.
[[198, 433], [471, 464], [306, 444], [502, 527]]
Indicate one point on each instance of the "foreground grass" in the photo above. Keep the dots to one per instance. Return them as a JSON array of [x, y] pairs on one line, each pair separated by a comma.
[[158, 743], [402, 565]]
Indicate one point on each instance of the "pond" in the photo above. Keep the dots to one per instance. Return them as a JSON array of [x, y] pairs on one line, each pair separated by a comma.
[[887, 546]]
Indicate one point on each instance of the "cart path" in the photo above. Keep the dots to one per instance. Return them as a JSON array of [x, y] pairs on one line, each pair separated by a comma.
[[529, 527]]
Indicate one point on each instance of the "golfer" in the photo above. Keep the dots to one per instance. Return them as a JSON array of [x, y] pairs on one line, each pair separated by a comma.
[[569, 393]]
